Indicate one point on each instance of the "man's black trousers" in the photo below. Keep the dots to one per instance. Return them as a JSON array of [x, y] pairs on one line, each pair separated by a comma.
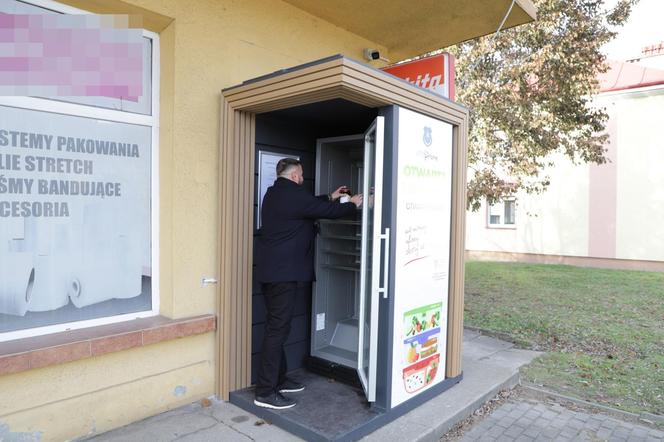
[[280, 299]]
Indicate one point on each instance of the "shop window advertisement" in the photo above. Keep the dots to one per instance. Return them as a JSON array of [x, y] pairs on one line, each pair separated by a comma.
[[75, 218]]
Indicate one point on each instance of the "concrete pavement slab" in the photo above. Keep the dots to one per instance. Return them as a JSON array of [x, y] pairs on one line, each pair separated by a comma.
[[483, 346], [162, 428], [469, 335], [216, 433], [221, 421]]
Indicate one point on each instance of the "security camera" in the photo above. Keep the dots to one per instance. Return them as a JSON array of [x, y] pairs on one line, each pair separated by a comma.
[[372, 54]]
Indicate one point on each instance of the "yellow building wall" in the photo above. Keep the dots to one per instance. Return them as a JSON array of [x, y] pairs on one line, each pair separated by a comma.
[[552, 223], [208, 45], [640, 177], [98, 394], [212, 45]]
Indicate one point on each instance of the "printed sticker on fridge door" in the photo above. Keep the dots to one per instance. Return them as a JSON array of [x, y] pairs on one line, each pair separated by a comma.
[[421, 355], [422, 253]]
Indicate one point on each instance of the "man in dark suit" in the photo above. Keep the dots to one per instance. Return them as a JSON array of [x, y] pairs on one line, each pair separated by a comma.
[[284, 264]]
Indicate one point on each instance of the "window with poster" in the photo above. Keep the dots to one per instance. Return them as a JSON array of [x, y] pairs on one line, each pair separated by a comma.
[[78, 202]]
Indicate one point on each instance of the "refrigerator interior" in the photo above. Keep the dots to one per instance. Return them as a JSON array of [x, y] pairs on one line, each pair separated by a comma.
[[335, 307]]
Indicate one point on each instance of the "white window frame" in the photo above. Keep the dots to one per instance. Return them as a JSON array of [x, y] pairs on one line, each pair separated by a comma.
[[115, 116], [502, 224]]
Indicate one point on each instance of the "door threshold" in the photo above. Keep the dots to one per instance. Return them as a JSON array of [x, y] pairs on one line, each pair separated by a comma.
[[329, 410], [333, 371]]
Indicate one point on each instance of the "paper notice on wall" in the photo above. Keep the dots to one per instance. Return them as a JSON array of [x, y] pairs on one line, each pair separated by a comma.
[[320, 321], [267, 174]]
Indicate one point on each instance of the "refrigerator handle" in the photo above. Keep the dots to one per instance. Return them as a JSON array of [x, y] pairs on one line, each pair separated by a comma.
[[385, 237]]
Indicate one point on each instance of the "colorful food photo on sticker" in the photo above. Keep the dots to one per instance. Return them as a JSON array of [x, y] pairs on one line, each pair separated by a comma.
[[422, 319], [421, 346], [421, 374]]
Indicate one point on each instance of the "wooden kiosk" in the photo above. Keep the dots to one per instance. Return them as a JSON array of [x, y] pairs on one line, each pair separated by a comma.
[[416, 141]]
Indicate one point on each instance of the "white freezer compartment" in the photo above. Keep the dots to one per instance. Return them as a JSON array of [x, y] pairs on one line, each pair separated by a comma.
[[336, 294]]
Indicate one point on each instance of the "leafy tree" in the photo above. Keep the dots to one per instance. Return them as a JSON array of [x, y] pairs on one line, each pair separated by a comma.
[[530, 90]]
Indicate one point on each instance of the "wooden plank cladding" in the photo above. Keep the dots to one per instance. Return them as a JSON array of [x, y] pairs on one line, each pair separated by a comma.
[[336, 77], [235, 251], [457, 251]]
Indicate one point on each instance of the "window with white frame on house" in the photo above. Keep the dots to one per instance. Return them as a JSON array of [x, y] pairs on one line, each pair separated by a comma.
[[78, 203], [502, 213]]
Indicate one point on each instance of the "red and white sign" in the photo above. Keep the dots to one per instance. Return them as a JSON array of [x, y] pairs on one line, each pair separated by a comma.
[[434, 73]]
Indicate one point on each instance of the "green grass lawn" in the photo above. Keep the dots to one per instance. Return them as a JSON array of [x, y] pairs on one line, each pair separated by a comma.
[[603, 330]]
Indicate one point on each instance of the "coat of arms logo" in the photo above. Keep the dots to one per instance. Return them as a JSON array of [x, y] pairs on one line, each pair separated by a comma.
[[427, 138]]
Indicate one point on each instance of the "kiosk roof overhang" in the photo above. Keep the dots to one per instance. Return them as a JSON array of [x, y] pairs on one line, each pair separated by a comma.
[[338, 77], [408, 28]]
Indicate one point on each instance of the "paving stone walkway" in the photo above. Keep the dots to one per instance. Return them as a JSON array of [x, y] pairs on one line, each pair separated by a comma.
[[521, 419]]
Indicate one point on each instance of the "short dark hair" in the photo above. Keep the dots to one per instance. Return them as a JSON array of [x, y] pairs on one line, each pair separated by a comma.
[[286, 163]]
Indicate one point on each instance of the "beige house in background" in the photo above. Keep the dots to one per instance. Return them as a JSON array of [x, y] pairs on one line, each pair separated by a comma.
[[609, 215]]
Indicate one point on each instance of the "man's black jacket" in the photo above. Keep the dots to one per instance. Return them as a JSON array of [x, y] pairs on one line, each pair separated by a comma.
[[285, 246]]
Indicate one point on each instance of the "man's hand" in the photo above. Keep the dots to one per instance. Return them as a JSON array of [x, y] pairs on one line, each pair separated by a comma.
[[337, 193], [357, 200]]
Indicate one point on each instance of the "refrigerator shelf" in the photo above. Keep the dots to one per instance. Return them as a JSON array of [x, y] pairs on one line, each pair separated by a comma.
[[342, 252], [346, 237], [341, 221], [348, 268]]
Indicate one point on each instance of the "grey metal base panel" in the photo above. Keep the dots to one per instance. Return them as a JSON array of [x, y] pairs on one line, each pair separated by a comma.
[[338, 355], [331, 411], [346, 334]]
